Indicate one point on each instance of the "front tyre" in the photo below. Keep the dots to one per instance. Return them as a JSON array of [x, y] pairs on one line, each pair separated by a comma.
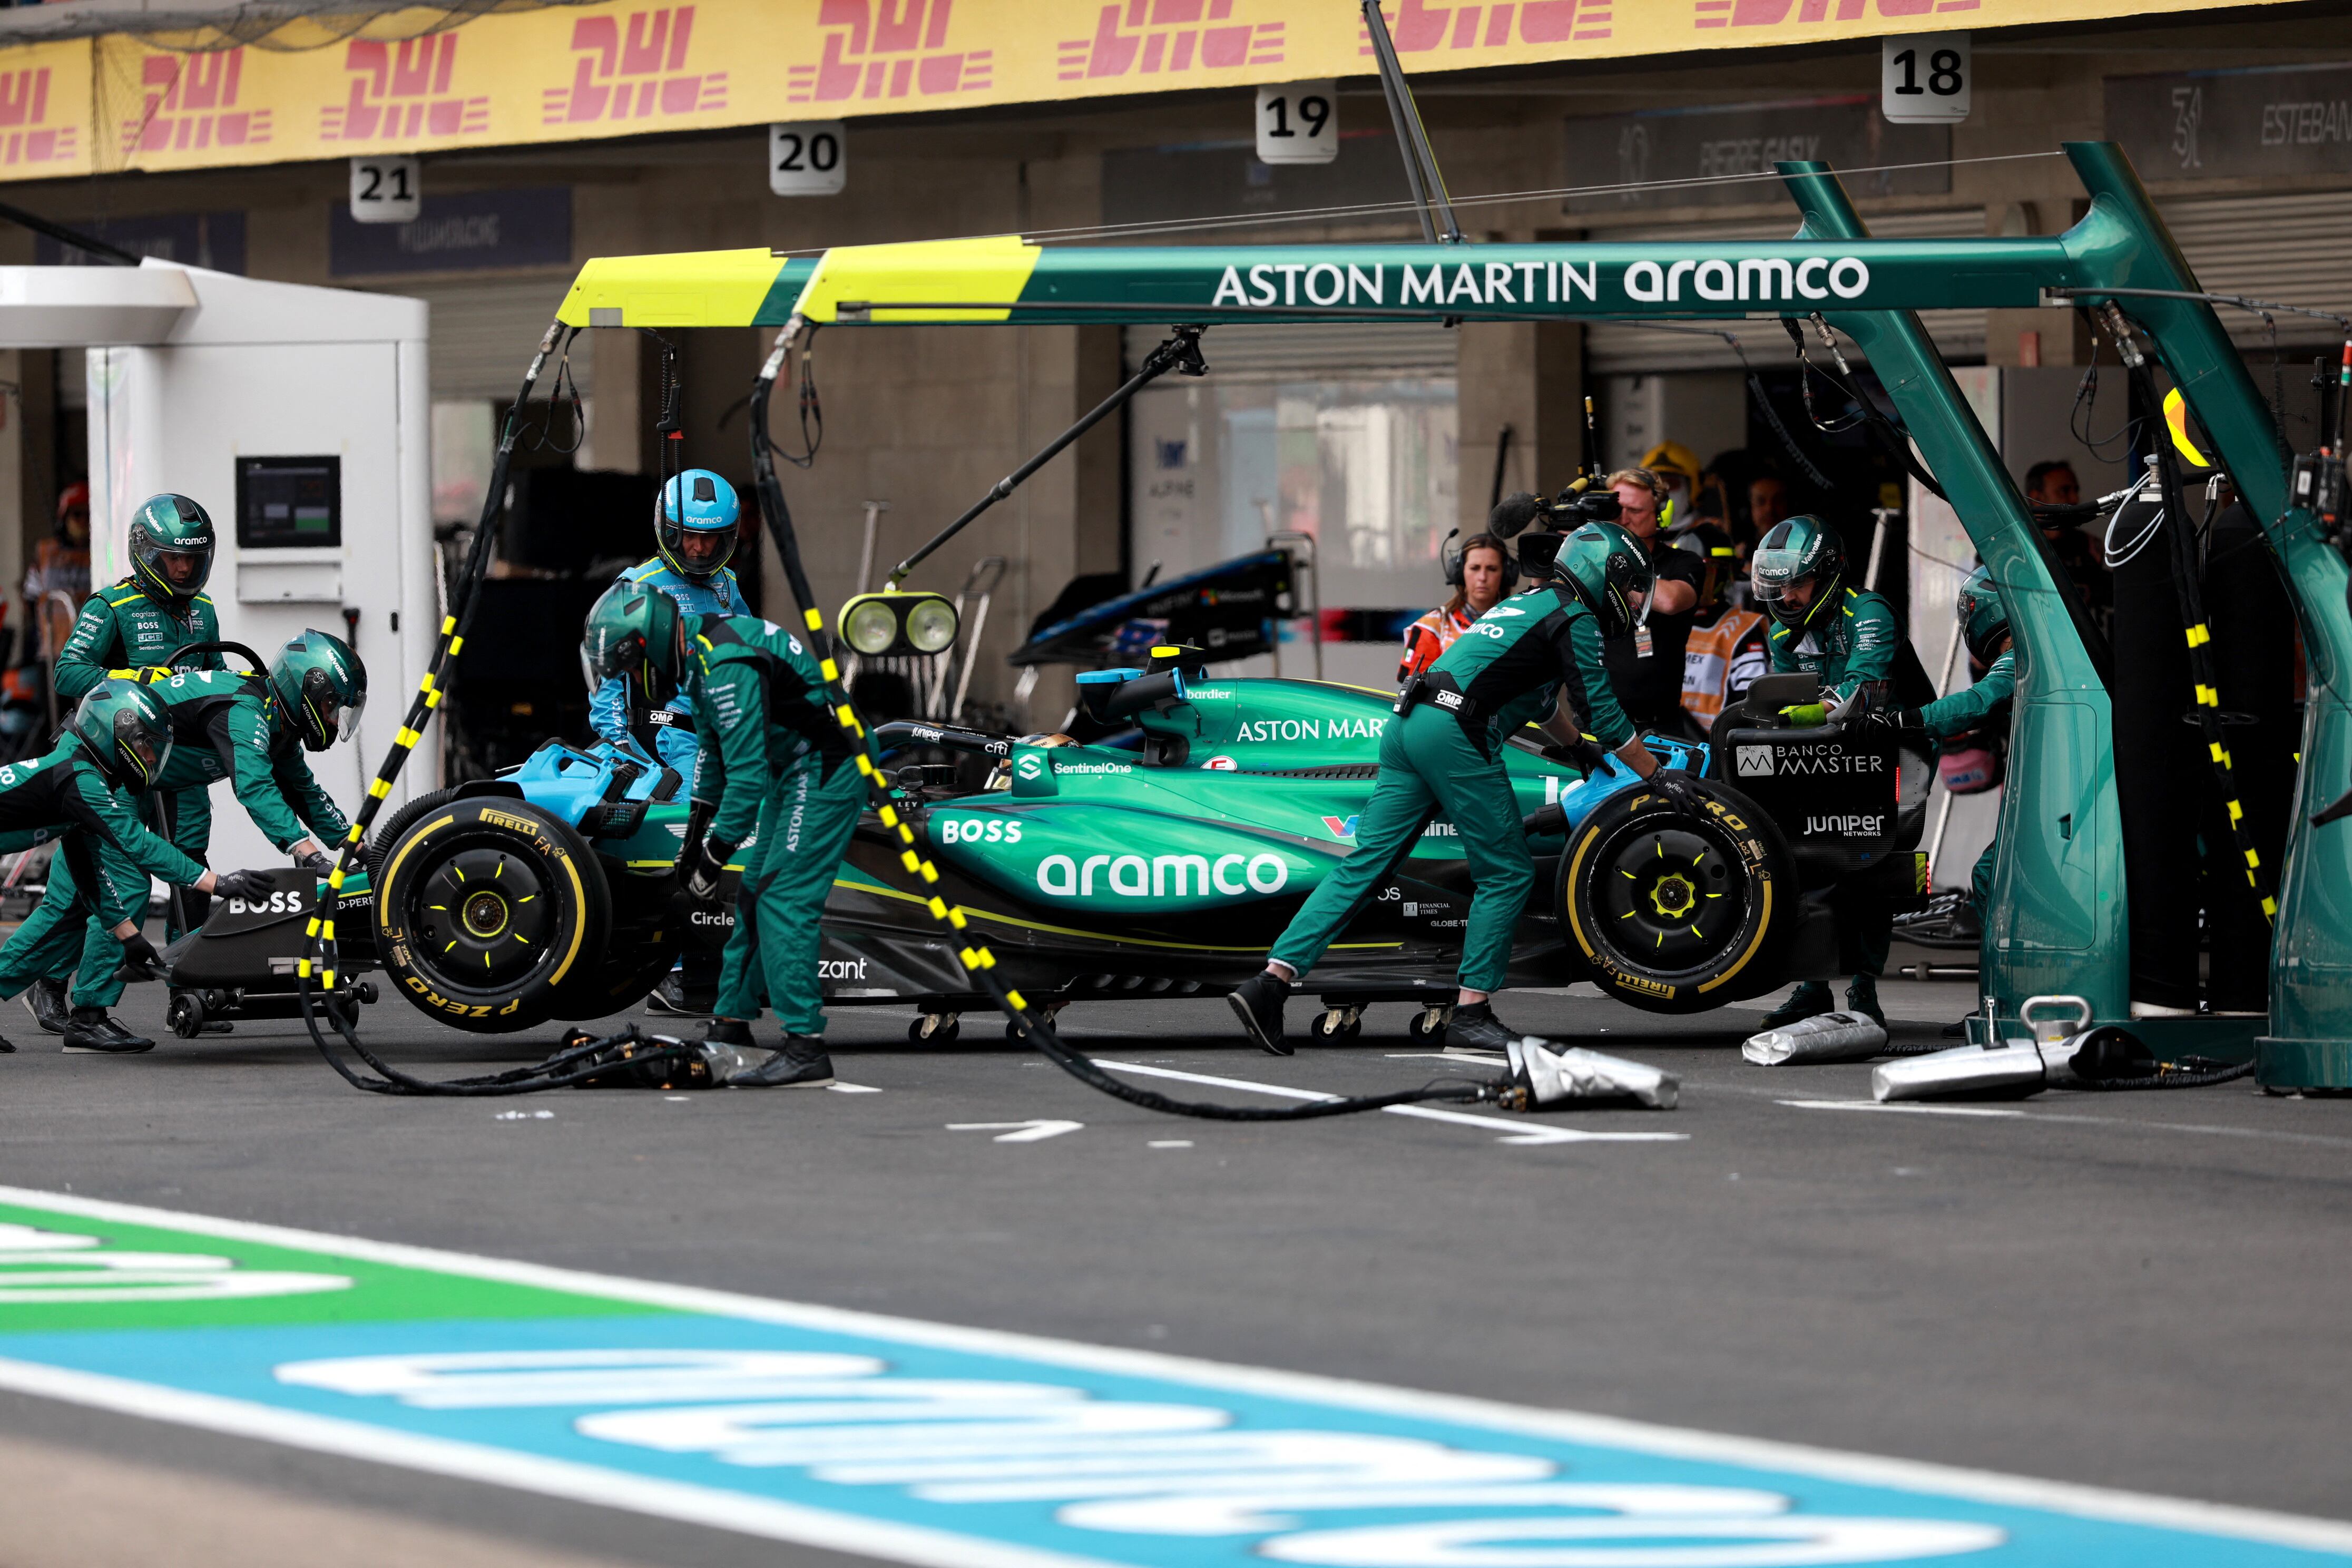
[[485, 908], [1675, 913]]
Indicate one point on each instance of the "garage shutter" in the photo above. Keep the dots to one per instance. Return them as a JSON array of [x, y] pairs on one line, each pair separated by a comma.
[[1617, 349], [1313, 349], [484, 330], [2289, 247]]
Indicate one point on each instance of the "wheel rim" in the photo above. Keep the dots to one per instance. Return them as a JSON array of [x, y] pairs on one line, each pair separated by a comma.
[[483, 917], [1668, 896]]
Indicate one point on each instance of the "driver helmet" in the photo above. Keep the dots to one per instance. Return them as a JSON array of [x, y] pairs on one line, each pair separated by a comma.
[[1606, 567], [121, 727], [321, 686], [171, 548], [695, 526], [1801, 549], [636, 633], [1984, 621]]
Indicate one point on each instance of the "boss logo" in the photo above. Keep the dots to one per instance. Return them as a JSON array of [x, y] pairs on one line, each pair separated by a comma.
[[276, 904], [976, 830]]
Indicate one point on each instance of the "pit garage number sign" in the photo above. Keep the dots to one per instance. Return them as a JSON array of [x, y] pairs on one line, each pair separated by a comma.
[[1924, 78], [386, 190], [807, 158], [1299, 123]]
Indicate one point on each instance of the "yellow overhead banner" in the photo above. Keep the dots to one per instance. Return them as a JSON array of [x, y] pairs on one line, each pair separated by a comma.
[[567, 73]]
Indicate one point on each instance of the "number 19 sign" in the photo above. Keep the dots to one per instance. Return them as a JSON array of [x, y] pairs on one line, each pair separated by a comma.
[[1923, 79], [1297, 123], [807, 158]]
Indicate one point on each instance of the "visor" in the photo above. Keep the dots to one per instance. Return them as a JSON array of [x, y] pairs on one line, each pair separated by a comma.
[[619, 656], [137, 746], [1774, 570]]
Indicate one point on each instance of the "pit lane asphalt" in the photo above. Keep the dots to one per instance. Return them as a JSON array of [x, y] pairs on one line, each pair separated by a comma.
[[2142, 1291]]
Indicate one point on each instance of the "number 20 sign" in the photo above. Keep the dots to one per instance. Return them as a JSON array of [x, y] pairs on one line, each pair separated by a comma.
[[807, 158]]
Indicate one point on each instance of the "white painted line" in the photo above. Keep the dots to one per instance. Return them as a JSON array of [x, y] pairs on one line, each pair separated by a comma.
[[1169, 1144], [1445, 1056], [1514, 1130], [564, 1480], [1022, 1132], [1903, 1106], [852, 1088]]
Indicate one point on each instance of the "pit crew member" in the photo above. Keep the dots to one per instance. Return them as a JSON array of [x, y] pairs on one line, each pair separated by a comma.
[[118, 743], [773, 757], [251, 730], [1535, 657], [1849, 640]]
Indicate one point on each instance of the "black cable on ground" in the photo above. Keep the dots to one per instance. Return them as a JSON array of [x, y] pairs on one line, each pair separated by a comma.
[[978, 962]]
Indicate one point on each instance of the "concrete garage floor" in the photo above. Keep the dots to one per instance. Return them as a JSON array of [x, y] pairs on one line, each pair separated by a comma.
[[2139, 1290]]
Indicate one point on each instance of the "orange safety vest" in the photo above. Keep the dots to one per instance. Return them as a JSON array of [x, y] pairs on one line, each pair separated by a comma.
[[1733, 646], [1428, 638]]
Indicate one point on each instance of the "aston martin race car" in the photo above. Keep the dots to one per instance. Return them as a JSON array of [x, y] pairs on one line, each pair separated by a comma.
[[1162, 860]]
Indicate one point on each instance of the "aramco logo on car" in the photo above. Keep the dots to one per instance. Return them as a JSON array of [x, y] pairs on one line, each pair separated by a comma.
[[1162, 876]]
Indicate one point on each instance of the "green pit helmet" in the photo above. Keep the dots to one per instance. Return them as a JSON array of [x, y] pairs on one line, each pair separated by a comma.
[[1606, 567], [1801, 549], [1983, 619], [321, 686], [122, 728], [171, 548], [635, 632]]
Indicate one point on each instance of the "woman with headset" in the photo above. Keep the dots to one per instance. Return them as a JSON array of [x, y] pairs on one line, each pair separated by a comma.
[[1480, 574]]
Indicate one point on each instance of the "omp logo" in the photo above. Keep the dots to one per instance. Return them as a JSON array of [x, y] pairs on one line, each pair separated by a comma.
[[1342, 826], [1755, 762], [520, 824], [1181, 875], [276, 904], [1853, 822], [979, 829], [841, 969]]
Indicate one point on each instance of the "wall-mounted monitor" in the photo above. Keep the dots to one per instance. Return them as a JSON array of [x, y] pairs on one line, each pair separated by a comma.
[[288, 503]]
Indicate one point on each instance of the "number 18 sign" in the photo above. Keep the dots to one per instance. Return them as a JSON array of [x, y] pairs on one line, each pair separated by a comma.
[[1923, 79]]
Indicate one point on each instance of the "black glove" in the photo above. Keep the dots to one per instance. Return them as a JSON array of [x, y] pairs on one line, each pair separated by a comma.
[[699, 871], [318, 861], [140, 959], [1677, 787], [1891, 720], [246, 887], [697, 823], [1583, 754]]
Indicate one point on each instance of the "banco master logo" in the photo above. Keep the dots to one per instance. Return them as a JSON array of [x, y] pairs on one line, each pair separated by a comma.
[[1826, 760], [1164, 876], [1755, 762]]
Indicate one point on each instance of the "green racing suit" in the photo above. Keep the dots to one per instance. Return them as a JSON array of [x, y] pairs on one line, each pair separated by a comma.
[[1958, 713], [1441, 757], [224, 726], [774, 770]]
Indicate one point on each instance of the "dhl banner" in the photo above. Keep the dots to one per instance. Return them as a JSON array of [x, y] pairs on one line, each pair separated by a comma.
[[630, 67]]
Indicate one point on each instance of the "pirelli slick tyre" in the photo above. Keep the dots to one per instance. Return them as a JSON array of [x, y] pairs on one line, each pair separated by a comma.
[[1675, 913], [635, 963], [485, 908]]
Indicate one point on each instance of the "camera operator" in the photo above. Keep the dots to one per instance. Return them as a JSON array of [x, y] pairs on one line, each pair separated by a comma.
[[1645, 661]]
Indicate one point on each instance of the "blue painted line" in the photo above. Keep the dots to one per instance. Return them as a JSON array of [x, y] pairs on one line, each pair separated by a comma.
[[936, 1445]]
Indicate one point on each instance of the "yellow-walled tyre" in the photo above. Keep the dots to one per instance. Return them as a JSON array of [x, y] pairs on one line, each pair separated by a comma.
[[484, 908], [1675, 913]]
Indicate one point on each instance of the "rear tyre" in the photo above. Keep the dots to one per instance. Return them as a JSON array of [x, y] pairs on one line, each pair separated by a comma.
[[484, 909], [635, 963], [387, 832], [1675, 913]]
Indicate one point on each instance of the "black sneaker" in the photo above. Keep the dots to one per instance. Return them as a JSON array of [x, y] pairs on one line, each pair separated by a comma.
[[802, 1064], [1475, 1027], [726, 1032], [89, 1029], [1862, 996], [1257, 1003], [46, 1000], [1809, 1000], [675, 995]]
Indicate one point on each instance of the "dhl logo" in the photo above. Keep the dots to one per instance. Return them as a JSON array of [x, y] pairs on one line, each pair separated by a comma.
[[1418, 27], [633, 70], [23, 105], [1167, 36], [1775, 12], [887, 49], [401, 90], [188, 102]]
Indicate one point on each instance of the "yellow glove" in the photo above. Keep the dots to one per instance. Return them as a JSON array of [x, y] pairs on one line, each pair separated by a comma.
[[1806, 715]]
